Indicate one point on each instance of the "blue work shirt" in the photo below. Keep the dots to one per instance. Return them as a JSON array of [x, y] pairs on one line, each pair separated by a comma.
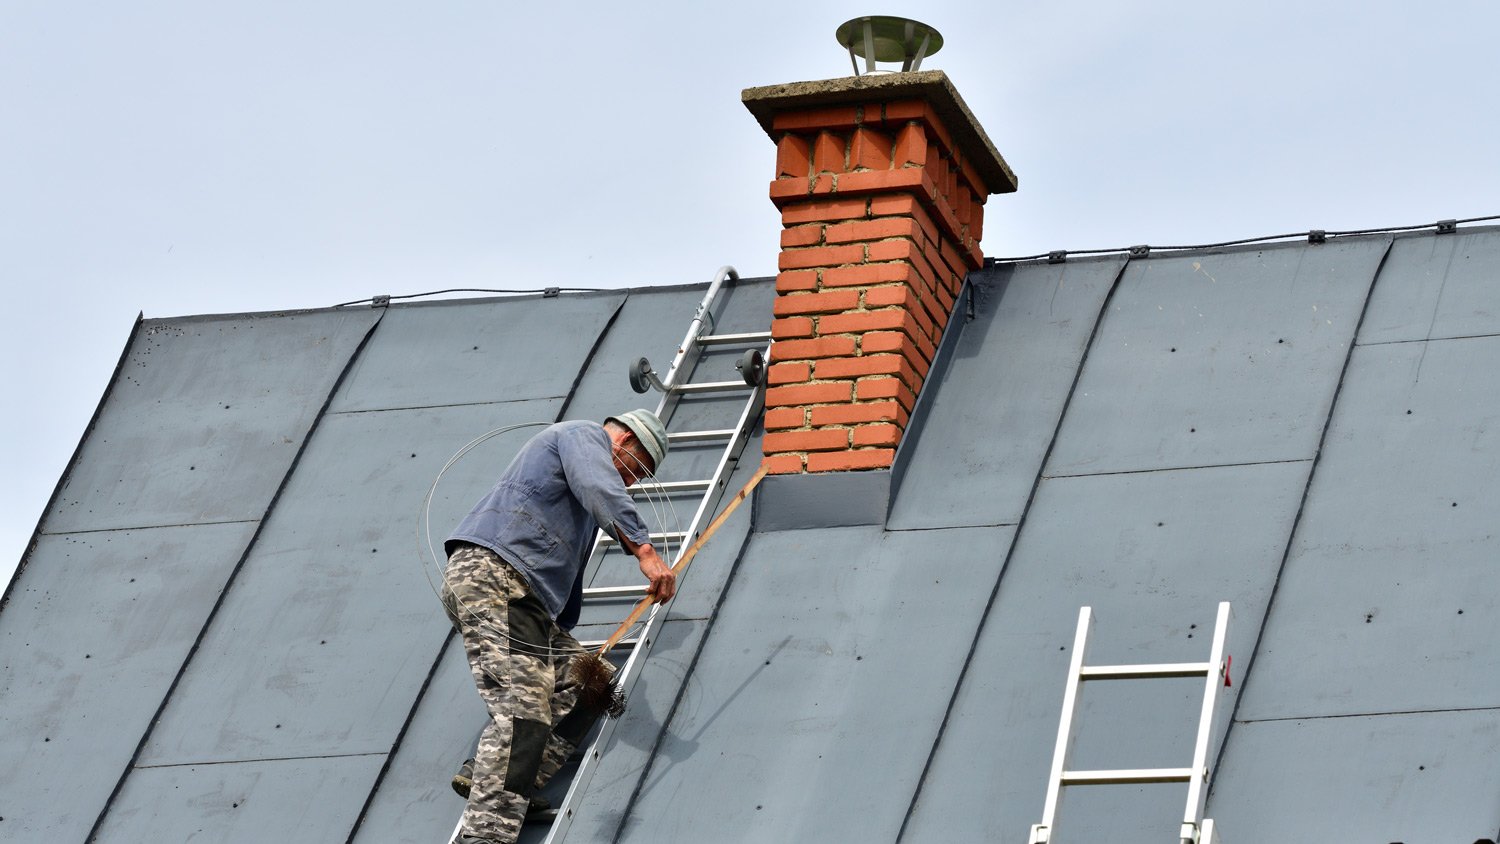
[[541, 515]]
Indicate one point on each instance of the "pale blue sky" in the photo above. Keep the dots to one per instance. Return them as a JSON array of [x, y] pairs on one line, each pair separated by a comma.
[[182, 157]]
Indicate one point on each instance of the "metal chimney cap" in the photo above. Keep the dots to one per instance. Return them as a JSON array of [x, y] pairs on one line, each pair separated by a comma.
[[884, 38]]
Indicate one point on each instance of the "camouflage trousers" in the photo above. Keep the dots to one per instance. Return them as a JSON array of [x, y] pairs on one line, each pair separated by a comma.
[[519, 657]]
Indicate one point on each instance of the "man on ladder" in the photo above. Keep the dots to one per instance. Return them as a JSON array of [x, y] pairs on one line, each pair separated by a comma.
[[513, 588]]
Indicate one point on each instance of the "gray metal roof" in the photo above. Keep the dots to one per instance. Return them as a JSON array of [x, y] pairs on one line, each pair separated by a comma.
[[223, 631]]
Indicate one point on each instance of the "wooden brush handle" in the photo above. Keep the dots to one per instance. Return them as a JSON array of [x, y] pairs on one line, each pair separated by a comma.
[[687, 557]]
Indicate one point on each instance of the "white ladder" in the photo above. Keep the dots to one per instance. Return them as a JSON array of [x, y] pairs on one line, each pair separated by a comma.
[[675, 388], [1195, 828]]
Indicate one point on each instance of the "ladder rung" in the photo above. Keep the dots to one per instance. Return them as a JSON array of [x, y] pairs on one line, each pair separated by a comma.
[[664, 536], [668, 486], [596, 644], [1127, 776], [711, 387], [746, 339], [1145, 672], [701, 436], [615, 591]]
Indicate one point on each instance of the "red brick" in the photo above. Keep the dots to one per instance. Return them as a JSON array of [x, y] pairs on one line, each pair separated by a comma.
[[963, 205], [828, 153], [880, 181], [782, 464], [816, 118], [788, 373], [785, 190], [802, 235], [825, 183], [824, 209], [854, 367], [861, 321], [865, 274], [972, 178], [954, 259], [911, 145], [869, 150], [815, 303], [884, 206], [904, 110], [976, 223], [882, 341], [891, 250], [791, 327], [793, 157], [873, 230], [795, 281], [885, 388], [883, 434], [778, 418], [827, 439], [822, 347], [821, 256], [843, 461], [803, 394], [854, 414], [896, 294]]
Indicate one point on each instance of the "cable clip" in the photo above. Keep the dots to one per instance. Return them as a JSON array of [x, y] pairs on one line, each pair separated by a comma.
[[1447, 226], [1140, 251], [381, 301], [550, 292], [1057, 256], [1317, 236]]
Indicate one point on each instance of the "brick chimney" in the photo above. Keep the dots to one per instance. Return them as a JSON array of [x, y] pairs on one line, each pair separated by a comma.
[[881, 182]]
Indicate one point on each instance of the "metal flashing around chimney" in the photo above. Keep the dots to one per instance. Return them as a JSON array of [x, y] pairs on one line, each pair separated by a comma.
[[823, 500]]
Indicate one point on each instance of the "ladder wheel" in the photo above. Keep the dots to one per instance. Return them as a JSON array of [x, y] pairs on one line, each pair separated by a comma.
[[640, 373], [752, 367]]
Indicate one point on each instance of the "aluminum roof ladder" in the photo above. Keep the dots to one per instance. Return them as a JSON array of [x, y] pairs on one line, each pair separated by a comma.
[[1195, 828], [739, 423]]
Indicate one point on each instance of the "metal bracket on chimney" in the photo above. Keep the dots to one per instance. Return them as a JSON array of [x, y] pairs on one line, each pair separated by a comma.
[[381, 301], [1057, 256], [1317, 236], [1140, 251], [1447, 226]]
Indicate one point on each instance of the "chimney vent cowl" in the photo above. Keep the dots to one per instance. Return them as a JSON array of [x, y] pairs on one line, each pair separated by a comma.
[[883, 38]]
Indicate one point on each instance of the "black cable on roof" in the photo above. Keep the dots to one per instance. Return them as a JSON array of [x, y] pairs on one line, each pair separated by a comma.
[[545, 291], [1441, 225]]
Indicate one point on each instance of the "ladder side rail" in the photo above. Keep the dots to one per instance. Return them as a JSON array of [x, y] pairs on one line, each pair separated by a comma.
[[1042, 833], [689, 346], [1212, 684], [728, 460]]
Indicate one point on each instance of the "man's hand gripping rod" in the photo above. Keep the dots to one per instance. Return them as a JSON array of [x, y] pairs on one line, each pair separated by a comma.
[[597, 689]]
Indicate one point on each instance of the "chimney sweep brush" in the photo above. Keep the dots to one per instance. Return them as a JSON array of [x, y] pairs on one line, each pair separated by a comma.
[[597, 689]]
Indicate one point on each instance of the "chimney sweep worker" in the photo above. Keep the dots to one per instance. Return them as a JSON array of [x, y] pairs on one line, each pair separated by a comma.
[[513, 588]]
